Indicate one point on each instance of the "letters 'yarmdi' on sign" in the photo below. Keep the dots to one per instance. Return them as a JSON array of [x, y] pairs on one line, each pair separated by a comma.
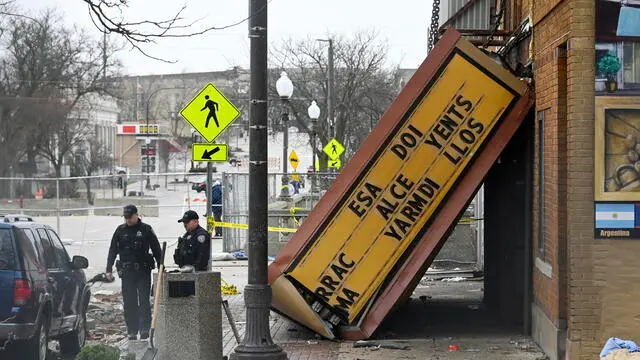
[[356, 239], [210, 112], [209, 152]]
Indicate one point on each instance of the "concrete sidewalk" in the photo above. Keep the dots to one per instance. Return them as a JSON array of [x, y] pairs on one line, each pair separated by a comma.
[[300, 343]]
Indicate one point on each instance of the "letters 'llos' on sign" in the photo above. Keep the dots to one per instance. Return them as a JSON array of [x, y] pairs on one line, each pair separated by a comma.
[[402, 186]]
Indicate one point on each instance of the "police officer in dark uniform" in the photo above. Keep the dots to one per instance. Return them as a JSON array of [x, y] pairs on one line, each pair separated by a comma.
[[194, 247], [132, 242]]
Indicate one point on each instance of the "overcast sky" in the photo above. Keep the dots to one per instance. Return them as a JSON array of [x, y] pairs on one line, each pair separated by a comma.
[[402, 23]]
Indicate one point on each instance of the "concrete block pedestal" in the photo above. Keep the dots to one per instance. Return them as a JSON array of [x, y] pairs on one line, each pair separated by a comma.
[[189, 325]]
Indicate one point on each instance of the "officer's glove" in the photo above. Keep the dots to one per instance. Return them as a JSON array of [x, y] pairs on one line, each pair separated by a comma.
[[187, 269]]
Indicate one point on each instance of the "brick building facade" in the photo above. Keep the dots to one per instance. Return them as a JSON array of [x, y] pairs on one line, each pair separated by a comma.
[[584, 289]]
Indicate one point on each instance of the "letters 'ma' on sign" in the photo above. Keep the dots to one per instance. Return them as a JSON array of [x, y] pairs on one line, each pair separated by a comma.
[[403, 184], [210, 112], [209, 152]]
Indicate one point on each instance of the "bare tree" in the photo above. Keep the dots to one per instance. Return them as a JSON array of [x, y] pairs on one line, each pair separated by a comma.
[[46, 71], [88, 161], [365, 85], [109, 17]]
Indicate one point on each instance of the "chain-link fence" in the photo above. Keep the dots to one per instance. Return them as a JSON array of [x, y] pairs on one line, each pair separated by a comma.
[[463, 251], [86, 210]]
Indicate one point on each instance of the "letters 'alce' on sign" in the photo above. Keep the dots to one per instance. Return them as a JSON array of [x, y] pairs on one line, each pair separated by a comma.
[[334, 164], [333, 149], [293, 159], [209, 152], [210, 112], [407, 177]]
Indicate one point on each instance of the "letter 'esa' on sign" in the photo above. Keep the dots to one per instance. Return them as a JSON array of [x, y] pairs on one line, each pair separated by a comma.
[[403, 185]]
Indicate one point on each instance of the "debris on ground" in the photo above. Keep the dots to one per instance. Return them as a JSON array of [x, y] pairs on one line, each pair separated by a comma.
[[375, 345], [106, 313]]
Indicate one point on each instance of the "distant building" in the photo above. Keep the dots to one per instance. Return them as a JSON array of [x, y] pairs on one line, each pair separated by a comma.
[[157, 100]]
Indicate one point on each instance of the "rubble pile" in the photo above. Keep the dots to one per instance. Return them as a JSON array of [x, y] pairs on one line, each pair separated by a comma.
[[106, 311]]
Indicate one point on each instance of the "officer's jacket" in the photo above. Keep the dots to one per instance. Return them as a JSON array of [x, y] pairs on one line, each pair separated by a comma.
[[194, 248], [132, 244]]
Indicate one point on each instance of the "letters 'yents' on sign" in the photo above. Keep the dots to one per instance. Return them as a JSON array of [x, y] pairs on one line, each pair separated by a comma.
[[210, 112], [402, 185], [334, 149], [293, 159], [209, 152]]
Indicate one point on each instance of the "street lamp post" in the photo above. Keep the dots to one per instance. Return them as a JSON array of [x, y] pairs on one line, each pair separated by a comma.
[[257, 342], [284, 86], [314, 114]]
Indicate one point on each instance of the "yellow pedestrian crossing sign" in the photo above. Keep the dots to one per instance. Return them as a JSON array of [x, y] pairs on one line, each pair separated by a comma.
[[209, 152], [293, 159], [334, 164], [210, 112], [334, 149]]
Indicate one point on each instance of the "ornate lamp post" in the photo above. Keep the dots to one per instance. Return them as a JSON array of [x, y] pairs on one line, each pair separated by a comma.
[[284, 86], [314, 114]]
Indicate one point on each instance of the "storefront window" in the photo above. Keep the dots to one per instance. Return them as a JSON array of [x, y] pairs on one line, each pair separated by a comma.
[[631, 63]]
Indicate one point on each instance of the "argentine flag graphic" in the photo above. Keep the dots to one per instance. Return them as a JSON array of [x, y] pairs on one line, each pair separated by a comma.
[[615, 216]]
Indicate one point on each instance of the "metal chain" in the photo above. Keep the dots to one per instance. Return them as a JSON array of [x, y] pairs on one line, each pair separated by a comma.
[[435, 24]]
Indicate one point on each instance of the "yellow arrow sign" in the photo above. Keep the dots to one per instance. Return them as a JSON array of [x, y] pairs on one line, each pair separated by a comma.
[[335, 164], [334, 149], [293, 159], [209, 152], [210, 112]]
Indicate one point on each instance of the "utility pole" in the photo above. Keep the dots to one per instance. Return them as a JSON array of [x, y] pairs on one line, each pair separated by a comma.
[[330, 92], [257, 342]]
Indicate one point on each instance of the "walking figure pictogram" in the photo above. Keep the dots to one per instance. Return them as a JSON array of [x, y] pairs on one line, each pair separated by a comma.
[[213, 108], [334, 149]]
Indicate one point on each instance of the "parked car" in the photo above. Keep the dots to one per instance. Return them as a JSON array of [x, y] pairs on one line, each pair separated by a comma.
[[43, 293], [9, 218]]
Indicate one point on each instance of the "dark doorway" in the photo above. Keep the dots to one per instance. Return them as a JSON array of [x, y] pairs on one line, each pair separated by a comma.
[[508, 189]]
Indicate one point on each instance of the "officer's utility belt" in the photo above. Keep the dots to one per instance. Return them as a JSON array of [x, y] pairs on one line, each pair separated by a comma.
[[126, 266]]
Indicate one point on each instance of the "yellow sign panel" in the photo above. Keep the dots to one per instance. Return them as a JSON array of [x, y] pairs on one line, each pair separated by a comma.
[[402, 186], [334, 164], [293, 159], [209, 152], [334, 149], [210, 112]]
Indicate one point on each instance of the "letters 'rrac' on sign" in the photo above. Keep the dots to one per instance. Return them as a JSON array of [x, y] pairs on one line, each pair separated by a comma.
[[402, 187], [209, 152], [333, 149], [210, 112]]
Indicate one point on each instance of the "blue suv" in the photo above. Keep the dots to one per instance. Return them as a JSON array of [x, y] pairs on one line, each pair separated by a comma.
[[43, 293]]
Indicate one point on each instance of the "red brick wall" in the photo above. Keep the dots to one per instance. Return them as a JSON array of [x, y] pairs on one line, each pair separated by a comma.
[[550, 81]]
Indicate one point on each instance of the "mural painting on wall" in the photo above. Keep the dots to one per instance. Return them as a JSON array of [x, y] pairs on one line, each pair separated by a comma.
[[617, 148], [617, 47]]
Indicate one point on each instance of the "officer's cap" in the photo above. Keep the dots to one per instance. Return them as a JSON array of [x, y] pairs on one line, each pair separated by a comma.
[[188, 216], [129, 210]]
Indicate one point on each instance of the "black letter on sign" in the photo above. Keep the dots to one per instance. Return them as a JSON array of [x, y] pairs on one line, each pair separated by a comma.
[[400, 151], [323, 293], [328, 282], [350, 299], [344, 263], [461, 101]]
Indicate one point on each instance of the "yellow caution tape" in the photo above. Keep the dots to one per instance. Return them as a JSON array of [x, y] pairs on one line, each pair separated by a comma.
[[228, 289], [245, 226]]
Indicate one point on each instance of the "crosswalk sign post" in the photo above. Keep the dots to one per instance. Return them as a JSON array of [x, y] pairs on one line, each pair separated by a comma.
[[333, 149], [209, 152], [293, 160], [210, 112], [334, 164]]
